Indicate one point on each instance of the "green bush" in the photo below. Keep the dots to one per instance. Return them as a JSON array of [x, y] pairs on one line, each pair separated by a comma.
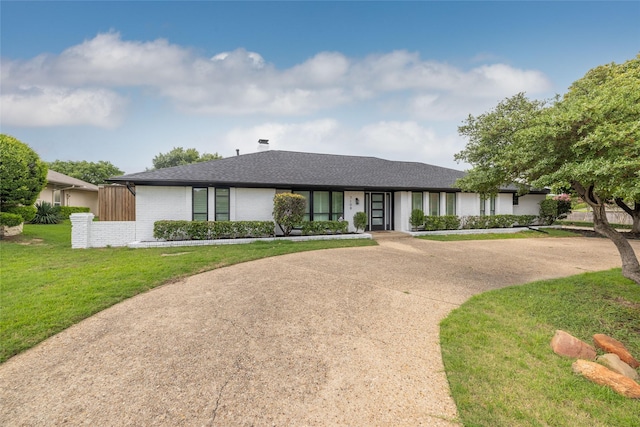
[[46, 214], [210, 230], [66, 211], [324, 227], [360, 220], [288, 210], [26, 212], [445, 222], [496, 221], [10, 219], [551, 210], [417, 218]]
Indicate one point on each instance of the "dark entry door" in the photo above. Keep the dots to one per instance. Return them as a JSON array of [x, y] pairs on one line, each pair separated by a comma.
[[377, 211]]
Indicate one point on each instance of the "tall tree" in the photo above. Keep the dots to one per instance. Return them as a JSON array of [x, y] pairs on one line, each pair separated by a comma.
[[588, 140], [179, 156], [22, 174], [93, 172]]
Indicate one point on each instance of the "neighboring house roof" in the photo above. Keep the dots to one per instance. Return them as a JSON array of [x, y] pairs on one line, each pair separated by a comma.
[[288, 169], [69, 183]]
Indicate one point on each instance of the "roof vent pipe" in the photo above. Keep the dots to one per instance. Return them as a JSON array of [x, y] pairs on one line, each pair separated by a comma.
[[237, 151], [263, 145]]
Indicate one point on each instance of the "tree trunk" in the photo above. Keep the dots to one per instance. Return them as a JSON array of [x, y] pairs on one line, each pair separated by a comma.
[[635, 214], [630, 265]]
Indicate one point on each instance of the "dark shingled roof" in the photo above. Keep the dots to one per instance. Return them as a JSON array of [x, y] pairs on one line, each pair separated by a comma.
[[287, 169]]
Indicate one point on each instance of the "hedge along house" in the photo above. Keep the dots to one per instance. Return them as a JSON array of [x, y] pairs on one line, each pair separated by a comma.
[[241, 188]]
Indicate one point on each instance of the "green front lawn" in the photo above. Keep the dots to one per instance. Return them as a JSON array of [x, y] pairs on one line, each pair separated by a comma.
[[46, 286], [549, 232], [502, 371]]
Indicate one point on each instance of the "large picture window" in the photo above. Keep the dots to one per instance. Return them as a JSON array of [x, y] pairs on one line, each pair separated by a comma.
[[434, 204], [451, 203], [323, 205], [200, 203], [222, 204], [416, 201]]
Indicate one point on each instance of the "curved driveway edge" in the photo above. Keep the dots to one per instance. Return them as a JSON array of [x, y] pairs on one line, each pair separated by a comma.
[[333, 337]]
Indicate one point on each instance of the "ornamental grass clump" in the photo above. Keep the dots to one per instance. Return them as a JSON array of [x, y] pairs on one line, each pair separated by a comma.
[[46, 214]]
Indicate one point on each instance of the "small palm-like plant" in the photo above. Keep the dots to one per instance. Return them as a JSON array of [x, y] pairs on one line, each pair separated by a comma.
[[46, 214]]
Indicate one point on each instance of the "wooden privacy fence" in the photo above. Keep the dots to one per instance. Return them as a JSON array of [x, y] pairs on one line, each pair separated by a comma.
[[116, 203]]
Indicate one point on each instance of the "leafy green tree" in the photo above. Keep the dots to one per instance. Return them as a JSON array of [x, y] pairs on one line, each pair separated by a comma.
[[22, 174], [94, 172], [587, 140], [288, 211], [179, 156]]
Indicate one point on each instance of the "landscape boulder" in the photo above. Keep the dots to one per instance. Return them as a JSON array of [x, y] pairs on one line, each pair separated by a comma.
[[613, 362], [611, 345], [606, 377], [566, 344]]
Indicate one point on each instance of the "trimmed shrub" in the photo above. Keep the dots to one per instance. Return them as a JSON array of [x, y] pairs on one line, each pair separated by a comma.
[[360, 220], [417, 218], [496, 221], [288, 211], [10, 219], [46, 214], [26, 212], [210, 230], [445, 222], [66, 211], [553, 209], [324, 227]]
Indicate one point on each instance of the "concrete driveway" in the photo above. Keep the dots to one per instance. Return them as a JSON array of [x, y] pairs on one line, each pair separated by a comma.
[[334, 337]]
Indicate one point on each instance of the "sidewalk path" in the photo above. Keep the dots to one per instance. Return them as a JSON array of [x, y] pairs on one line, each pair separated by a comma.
[[342, 337]]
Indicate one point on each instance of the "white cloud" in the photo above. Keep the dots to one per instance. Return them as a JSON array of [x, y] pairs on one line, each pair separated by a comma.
[[54, 106], [240, 82], [393, 140]]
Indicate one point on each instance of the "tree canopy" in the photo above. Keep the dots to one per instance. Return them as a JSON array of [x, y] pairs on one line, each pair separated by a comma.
[[93, 172], [22, 174], [587, 140], [179, 156]]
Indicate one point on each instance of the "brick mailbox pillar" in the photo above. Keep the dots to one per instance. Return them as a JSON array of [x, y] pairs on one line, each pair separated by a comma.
[[81, 230]]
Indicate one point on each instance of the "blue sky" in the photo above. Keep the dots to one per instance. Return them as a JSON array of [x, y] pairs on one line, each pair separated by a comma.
[[123, 81]]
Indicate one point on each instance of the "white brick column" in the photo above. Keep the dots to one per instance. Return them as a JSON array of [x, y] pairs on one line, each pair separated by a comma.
[[81, 230]]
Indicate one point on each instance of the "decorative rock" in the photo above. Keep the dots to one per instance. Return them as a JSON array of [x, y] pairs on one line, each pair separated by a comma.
[[566, 344], [611, 345], [613, 362], [606, 377]]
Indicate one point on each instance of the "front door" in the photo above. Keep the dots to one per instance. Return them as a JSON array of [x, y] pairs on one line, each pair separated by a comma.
[[377, 211]]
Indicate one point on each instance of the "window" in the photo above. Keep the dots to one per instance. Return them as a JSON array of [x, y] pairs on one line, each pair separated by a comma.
[[434, 204], [492, 205], [222, 204], [337, 205], [200, 202], [451, 203], [516, 199], [323, 205], [416, 201], [56, 197]]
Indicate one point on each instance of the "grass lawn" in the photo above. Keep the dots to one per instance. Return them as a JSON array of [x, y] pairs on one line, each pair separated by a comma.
[[46, 286], [550, 232], [502, 371]]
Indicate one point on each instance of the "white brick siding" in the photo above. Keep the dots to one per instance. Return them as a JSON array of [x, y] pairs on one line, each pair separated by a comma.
[[158, 203], [254, 204]]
